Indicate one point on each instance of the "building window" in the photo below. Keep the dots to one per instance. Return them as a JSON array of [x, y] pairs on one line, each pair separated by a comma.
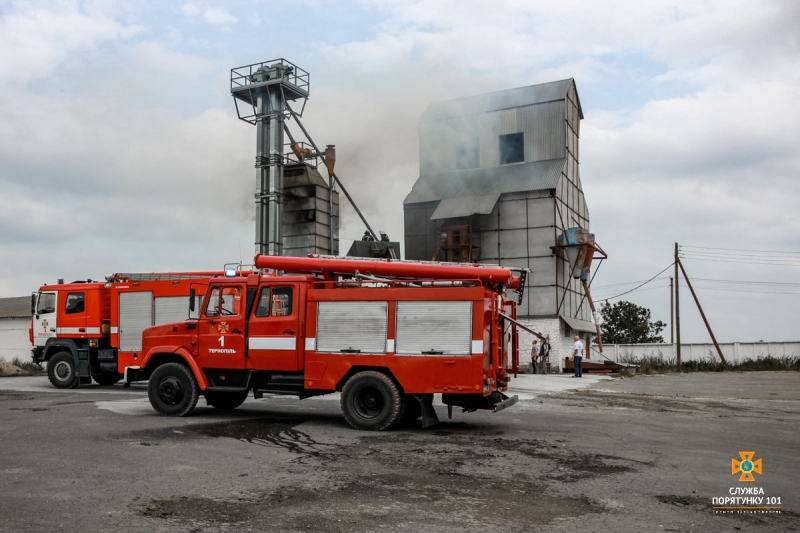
[[467, 154], [512, 148]]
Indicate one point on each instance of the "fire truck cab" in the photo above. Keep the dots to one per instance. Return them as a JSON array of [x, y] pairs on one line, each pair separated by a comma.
[[388, 345], [80, 329]]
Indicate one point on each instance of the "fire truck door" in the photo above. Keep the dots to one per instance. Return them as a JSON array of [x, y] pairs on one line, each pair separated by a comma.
[[44, 321], [221, 328], [73, 319], [274, 329]]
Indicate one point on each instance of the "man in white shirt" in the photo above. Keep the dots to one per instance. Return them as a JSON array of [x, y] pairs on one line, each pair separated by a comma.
[[577, 356]]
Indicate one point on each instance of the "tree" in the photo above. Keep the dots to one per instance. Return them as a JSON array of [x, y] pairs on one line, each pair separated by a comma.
[[628, 323]]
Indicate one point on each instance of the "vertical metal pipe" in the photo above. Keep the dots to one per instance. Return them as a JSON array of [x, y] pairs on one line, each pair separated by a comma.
[[677, 311], [275, 172], [262, 149]]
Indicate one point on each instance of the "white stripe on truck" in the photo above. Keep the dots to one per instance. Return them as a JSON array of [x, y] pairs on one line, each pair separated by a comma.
[[272, 343]]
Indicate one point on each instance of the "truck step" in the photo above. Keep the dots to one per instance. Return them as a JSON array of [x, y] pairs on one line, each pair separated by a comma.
[[280, 384]]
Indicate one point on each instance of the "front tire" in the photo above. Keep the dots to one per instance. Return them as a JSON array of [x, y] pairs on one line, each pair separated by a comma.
[[225, 401], [61, 371], [371, 401], [173, 390]]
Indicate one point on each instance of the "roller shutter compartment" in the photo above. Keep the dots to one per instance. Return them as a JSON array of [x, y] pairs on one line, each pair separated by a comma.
[[352, 327], [434, 328], [135, 315]]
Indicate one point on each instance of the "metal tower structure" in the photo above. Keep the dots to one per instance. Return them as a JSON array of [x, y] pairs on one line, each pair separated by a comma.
[[264, 89]]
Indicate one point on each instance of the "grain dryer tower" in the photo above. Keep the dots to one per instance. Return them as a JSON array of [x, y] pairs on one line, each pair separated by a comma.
[[500, 183], [297, 210]]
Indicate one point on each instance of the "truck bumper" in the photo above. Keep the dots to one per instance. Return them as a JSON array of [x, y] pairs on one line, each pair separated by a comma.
[[497, 401]]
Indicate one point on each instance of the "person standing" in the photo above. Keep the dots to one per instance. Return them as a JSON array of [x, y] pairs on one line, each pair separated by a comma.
[[534, 356], [577, 357], [544, 356]]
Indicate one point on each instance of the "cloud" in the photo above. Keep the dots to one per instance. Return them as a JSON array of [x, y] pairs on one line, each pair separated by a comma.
[[140, 164], [35, 39], [212, 15]]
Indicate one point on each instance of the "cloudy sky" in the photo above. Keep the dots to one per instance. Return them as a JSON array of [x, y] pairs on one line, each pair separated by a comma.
[[120, 149]]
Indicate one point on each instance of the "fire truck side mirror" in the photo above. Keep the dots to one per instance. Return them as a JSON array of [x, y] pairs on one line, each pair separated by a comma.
[[33, 303], [191, 300]]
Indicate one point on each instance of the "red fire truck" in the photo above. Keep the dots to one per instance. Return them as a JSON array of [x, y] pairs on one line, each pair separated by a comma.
[[78, 329], [387, 334]]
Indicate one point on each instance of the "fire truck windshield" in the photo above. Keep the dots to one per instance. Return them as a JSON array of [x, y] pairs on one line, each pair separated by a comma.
[[227, 305], [46, 304]]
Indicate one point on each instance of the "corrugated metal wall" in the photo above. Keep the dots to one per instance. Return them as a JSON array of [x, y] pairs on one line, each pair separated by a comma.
[[523, 226], [306, 221], [542, 124]]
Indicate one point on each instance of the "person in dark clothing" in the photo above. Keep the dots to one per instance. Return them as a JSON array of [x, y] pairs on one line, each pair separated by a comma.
[[544, 357]]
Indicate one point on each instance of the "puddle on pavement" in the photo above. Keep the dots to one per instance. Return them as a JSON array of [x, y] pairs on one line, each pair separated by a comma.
[[270, 432]]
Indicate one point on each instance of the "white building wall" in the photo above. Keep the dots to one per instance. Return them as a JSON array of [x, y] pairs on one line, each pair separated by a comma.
[[14, 340], [560, 343], [734, 352]]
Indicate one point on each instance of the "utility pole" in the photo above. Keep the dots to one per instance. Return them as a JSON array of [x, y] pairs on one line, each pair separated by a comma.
[[677, 311], [671, 313]]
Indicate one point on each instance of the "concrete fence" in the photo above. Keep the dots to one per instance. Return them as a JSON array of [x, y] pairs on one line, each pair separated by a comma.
[[734, 352]]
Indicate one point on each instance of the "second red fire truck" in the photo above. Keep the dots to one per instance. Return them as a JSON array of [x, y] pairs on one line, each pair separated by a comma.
[[79, 329]]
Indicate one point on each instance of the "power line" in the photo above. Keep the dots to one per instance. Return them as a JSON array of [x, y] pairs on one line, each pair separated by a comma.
[[739, 250], [742, 282], [738, 256], [621, 284], [635, 288], [742, 290], [740, 262]]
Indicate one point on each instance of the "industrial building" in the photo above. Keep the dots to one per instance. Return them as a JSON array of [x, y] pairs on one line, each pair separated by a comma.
[[499, 182]]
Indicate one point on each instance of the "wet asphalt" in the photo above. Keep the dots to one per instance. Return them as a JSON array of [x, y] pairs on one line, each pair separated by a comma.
[[647, 453]]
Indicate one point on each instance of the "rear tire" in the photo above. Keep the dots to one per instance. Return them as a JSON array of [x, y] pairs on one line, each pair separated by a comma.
[[107, 378], [371, 401], [225, 401], [61, 371], [173, 390]]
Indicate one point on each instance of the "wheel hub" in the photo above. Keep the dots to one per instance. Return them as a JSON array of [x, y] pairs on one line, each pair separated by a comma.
[[369, 402], [170, 390], [63, 371]]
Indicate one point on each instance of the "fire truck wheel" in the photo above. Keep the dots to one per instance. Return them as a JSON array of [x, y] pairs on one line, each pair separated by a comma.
[[173, 390], [225, 401], [107, 378], [61, 371], [371, 401]]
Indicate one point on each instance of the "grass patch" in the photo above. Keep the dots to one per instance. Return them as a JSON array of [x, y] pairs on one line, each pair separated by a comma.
[[658, 364], [28, 367]]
